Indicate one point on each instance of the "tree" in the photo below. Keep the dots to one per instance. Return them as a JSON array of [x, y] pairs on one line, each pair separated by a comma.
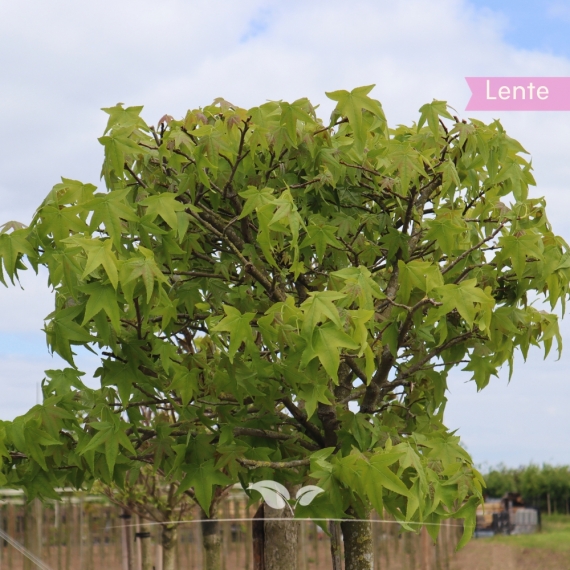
[[288, 297], [153, 500], [546, 487]]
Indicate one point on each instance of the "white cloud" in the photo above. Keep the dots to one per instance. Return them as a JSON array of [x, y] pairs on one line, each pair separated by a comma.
[[559, 10], [21, 377], [519, 422], [24, 305]]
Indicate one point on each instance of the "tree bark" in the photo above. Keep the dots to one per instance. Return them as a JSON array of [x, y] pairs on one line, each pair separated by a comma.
[[334, 529], [357, 543], [258, 539], [126, 540], [169, 539], [280, 552], [212, 543], [37, 509], [147, 551]]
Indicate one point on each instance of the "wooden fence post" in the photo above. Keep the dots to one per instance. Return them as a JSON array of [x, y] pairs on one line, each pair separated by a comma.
[[426, 550], [126, 541], [1, 539], [11, 531]]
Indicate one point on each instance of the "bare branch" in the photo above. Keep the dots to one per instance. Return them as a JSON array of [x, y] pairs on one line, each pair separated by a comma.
[[251, 464], [470, 250], [252, 432]]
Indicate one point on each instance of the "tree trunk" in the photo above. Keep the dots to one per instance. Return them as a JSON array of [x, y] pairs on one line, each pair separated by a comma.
[[147, 551], [212, 543], [37, 510], [169, 539], [334, 529], [280, 552], [126, 540], [357, 543], [258, 539]]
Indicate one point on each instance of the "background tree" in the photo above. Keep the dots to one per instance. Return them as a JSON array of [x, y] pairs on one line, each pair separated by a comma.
[[146, 494], [291, 296], [546, 487]]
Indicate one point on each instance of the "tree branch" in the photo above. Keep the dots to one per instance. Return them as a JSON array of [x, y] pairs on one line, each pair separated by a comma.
[[251, 464], [252, 432], [301, 416], [451, 265]]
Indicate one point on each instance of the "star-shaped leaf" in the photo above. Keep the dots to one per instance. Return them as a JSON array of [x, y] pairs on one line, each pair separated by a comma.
[[164, 205], [238, 326], [326, 340], [101, 298], [110, 209], [350, 105], [202, 478]]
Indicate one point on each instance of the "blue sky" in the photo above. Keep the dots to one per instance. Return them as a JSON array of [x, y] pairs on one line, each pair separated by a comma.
[[532, 24], [61, 61]]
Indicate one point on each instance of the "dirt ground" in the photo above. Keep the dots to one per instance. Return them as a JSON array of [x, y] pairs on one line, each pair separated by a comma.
[[485, 555]]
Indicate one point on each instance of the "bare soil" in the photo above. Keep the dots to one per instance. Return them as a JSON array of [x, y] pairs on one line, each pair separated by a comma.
[[486, 555]]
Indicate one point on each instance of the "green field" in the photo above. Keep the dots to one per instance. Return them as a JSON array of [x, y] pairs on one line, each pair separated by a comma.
[[555, 535]]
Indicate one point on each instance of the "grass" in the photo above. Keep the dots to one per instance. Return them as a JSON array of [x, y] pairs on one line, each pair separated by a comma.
[[555, 535]]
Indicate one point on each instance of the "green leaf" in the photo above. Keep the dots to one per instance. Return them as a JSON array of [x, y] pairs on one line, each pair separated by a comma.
[[291, 113], [164, 205], [467, 512], [35, 438], [61, 381], [61, 222], [349, 470], [68, 329], [125, 118], [350, 105], [142, 266], [319, 308], [12, 246], [186, 383], [117, 145], [467, 298], [110, 210], [405, 160], [255, 198], [431, 112], [99, 252], [445, 448], [320, 237], [446, 229], [379, 465], [326, 340], [111, 451], [518, 248], [359, 284], [422, 275], [482, 368], [101, 298], [264, 238], [238, 326], [202, 478], [312, 394]]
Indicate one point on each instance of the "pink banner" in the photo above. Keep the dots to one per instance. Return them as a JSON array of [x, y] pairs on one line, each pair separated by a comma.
[[519, 94]]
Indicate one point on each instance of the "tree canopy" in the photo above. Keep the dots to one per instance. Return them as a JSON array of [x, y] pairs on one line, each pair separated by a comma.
[[546, 486], [276, 297]]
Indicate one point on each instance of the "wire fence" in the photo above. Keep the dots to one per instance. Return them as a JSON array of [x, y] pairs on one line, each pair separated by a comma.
[[83, 532]]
